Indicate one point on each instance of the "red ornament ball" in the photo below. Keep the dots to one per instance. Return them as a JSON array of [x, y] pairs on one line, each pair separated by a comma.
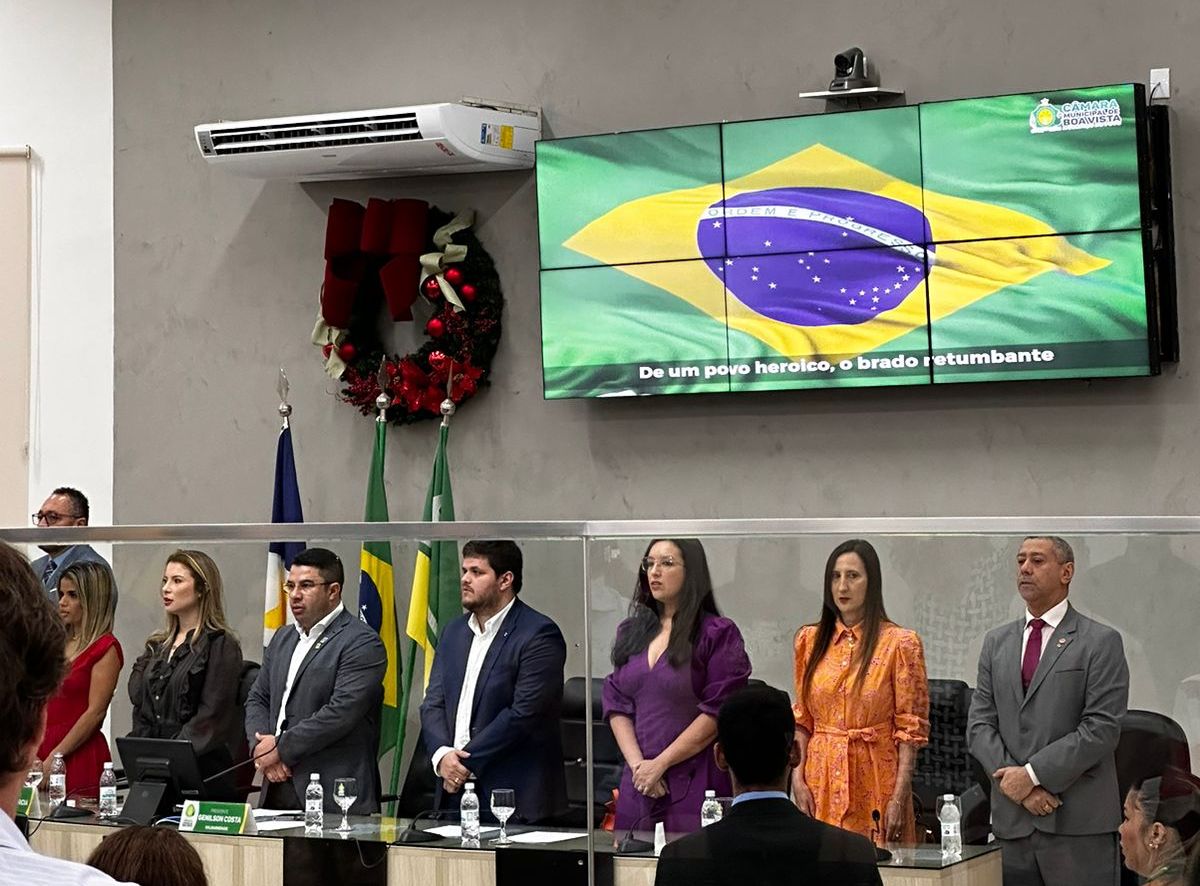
[[431, 289], [453, 276], [327, 350], [347, 352], [435, 327], [468, 292]]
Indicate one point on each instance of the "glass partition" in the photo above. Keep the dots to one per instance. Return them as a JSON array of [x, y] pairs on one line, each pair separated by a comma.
[[948, 581]]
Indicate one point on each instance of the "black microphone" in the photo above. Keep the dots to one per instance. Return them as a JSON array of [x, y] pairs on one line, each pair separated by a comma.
[[62, 810], [411, 835], [881, 854], [629, 843], [237, 765]]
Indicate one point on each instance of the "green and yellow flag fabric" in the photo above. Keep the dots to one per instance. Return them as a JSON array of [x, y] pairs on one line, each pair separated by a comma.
[[377, 595], [435, 598]]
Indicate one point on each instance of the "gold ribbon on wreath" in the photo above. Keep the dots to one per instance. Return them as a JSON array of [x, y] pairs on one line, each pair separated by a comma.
[[433, 264]]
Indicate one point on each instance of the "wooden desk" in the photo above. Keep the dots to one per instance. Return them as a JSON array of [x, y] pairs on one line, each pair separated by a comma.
[[259, 860]]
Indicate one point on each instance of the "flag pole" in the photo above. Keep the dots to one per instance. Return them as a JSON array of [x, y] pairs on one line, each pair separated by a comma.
[[285, 408]]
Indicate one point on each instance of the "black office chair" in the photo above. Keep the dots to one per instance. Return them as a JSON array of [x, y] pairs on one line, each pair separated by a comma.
[[606, 756], [945, 766], [420, 785], [244, 777], [1149, 743]]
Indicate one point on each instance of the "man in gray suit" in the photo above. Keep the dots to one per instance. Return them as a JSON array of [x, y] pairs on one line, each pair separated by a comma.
[[1045, 721], [316, 702]]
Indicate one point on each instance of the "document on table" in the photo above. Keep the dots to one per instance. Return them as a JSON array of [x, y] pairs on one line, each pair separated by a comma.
[[277, 824], [547, 836], [455, 832], [267, 814]]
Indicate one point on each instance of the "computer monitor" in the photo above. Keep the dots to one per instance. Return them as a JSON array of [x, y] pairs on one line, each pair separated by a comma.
[[162, 772]]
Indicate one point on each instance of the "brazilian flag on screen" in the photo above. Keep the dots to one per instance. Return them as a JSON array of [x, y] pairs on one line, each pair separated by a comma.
[[377, 593], [878, 247]]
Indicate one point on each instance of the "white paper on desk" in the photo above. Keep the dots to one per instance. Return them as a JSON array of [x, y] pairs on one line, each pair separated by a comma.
[[453, 831], [546, 836], [276, 824]]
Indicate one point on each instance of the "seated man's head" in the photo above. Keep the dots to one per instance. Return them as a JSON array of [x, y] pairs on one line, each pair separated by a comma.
[[756, 739], [314, 585], [32, 664]]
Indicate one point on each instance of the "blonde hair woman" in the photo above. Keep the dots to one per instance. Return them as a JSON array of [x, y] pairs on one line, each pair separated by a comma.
[[75, 714], [184, 684]]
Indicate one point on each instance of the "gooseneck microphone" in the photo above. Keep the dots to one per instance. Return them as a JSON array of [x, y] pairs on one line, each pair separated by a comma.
[[881, 854], [629, 843]]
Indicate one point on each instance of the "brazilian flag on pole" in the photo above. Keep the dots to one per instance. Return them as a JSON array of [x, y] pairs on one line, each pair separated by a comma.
[[377, 594], [435, 596]]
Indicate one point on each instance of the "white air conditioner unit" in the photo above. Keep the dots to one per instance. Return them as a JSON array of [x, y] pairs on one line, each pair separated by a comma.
[[466, 136]]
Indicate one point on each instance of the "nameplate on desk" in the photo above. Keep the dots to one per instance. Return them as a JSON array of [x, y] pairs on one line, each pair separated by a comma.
[[203, 817], [27, 803]]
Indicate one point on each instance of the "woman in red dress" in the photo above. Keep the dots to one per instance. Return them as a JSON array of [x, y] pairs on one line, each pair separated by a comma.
[[75, 714]]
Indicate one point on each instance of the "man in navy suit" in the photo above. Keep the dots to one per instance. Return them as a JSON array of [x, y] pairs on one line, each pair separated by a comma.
[[764, 839], [492, 710]]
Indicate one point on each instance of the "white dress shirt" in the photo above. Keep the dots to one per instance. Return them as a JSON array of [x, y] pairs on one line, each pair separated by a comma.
[[1053, 618], [21, 866], [306, 642], [480, 645]]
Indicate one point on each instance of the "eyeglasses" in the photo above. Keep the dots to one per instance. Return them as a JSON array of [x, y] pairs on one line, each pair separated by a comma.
[[305, 586], [52, 518], [648, 563]]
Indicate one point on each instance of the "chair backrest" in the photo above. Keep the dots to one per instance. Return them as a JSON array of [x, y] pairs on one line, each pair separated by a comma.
[[944, 766], [606, 755], [249, 674], [1149, 743]]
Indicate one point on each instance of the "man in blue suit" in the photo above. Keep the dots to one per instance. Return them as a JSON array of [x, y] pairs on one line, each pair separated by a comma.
[[492, 710]]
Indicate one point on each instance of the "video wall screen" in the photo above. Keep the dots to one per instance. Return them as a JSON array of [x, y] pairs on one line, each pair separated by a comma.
[[986, 239]]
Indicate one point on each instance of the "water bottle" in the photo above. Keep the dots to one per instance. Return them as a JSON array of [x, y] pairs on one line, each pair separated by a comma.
[[710, 812], [314, 807], [108, 792], [950, 817], [468, 809], [58, 781]]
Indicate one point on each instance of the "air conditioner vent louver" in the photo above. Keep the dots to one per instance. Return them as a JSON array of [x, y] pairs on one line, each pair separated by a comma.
[[339, 133]]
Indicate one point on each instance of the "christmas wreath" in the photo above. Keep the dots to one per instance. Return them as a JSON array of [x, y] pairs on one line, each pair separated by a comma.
[[393, 252]]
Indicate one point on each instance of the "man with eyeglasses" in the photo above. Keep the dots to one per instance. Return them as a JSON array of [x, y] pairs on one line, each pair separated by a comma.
[[316, 702], [64, 507]]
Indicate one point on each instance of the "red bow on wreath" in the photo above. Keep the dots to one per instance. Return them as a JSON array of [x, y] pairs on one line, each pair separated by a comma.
[[356, 239]]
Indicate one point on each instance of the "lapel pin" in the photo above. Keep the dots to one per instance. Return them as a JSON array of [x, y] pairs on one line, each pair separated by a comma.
[[1062, 641]]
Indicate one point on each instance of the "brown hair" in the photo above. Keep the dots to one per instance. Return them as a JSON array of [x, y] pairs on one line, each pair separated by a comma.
[[149, 856], [32, 660]]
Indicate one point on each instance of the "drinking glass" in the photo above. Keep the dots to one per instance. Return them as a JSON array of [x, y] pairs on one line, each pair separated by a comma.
[[34, 776], [345, 792], [504, 804]]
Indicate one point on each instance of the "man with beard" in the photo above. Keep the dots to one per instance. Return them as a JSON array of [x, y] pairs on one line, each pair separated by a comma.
[[491, 712]]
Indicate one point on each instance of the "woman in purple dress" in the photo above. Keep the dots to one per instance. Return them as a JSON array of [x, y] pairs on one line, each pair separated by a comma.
[[675, 660]]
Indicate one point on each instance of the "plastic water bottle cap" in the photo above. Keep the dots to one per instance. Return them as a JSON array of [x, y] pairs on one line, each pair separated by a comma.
[[470, 786], [314, 777], [108, 765], [710, 793]]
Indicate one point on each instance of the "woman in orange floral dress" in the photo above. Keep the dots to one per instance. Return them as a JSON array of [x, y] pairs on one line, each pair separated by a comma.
[[862, 705]]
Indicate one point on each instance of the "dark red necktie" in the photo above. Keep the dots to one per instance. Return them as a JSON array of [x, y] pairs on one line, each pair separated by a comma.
[[1033, 651]]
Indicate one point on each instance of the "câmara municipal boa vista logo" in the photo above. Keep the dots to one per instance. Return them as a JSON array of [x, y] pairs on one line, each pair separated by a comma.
[[1073, 115]]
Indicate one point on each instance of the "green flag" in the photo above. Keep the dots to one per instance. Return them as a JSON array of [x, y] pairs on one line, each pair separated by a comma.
[[435, 599]]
